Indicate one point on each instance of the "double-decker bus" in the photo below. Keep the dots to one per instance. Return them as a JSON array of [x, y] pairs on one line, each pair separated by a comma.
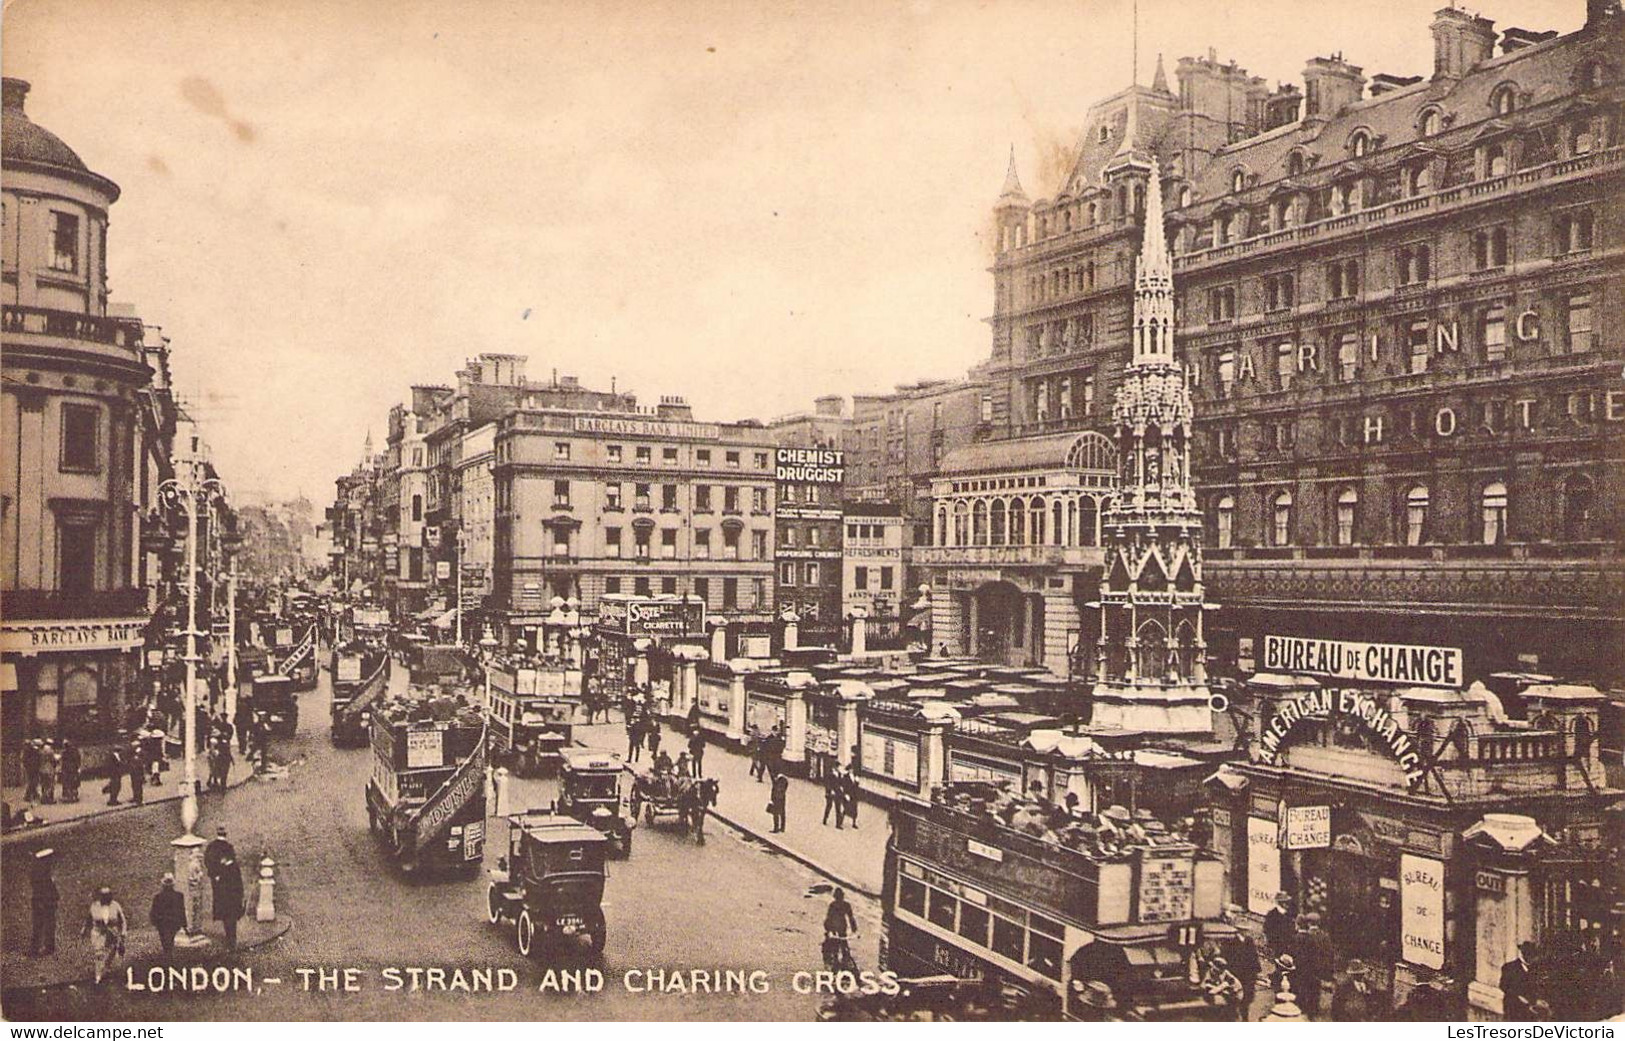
[[531, 711], [968, 895]]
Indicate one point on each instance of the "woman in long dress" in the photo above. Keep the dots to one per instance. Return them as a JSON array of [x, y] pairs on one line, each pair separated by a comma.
[[106, 926]]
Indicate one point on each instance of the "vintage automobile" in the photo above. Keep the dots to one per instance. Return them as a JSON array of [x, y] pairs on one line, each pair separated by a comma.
[[275, 702], [551, 884], [590, 791]]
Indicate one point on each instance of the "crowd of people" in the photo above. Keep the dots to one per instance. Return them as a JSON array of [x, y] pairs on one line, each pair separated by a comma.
[[1113, 832]]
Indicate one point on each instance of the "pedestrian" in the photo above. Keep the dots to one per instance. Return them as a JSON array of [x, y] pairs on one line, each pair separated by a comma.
[[1518, 995], [115, 776], [106, 926], [226, 729], [777, 796], [245, 727], [684, 766], [834, 800], [138, 775], [1314, 955], [168, 914], [758, 758], [1221, 988], [1354, 1001], [32, 757], [218, 849], [651, 730], [226, 759], [228, 897], [634, 739], [47, 773], [72, 764], [694, 718], [1242, 953], [849, 786], [774, 752], [46, 899], [1280, 925], [696, 751]]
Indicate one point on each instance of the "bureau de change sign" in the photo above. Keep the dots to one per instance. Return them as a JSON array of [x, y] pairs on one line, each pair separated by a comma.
[[1365, 662]]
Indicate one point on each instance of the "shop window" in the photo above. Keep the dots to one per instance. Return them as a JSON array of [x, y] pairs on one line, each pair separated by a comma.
[[81, 698], [1493, 513], [1225, 518], [1416, 515], [81, 437], [64, 241]]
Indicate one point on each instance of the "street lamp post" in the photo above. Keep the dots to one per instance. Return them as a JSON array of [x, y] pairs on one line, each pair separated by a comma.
[[190, 491]]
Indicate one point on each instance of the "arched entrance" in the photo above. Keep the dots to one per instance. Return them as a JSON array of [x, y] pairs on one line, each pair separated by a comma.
[[1006, 624]]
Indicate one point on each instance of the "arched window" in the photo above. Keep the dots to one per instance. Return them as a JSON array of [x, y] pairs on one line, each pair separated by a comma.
[[1238, 180], [1018, 522], [1072, 523], [1057, 524], [1578, 498], [1225, 516], [1495, 161], [1348, 504], [1416, 515], [996, 529], [1429, 124], [1592, 75], [1421, 178], [1153, 651], [1504, 101], [1184, 195], [961, 524], [1094, 213], [1360, 143], [1281, 519], [1494, 513], [1294, 164], [1038, 514], [941, 534], [1584, 736], [978, 523]]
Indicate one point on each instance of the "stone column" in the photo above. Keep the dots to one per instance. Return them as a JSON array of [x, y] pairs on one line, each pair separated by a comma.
[[846, 729], [736, 706], [860, 639], [795, 734], [933, 757], [719, 642], [1505, 898], [688, 676], [975, 648]]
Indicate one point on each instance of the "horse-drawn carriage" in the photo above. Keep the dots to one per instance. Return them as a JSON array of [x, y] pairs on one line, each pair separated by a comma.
[[657, 794]]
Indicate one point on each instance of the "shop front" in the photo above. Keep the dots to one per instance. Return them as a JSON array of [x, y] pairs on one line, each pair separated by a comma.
[[631, 629]]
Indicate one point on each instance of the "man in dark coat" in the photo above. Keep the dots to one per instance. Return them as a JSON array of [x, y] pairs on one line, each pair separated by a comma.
[[849, 788], [115, 776], [777, 797], [1315, 956], [46, 898], [696, 751], [1280, 926], [31, 760], [138, 774], [651, 733], [1518, 995], [1354, 1001], [72, 765], [1242, 954], [168, 914], [218, 849], [228, 897]]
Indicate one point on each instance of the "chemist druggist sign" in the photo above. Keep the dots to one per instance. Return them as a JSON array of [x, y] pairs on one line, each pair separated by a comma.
[[1406, 664]]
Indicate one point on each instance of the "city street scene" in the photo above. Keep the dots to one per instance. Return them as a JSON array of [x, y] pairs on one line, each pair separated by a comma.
[[613, 512]]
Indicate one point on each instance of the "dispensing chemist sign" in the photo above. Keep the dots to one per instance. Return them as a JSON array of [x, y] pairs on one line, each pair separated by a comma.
[[1365, 662]]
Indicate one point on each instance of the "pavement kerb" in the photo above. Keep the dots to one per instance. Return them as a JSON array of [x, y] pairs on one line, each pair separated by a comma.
[[283, 925], [796, 855], [106, 811]]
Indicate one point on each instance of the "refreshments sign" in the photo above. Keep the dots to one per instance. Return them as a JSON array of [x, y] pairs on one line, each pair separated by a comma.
[[810, 466], [1365, 662]]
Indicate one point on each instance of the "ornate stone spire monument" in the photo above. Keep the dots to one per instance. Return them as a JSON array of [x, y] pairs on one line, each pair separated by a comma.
[[1149, 673]]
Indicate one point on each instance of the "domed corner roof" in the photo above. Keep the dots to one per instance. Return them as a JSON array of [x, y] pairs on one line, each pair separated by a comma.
[[22, 141]]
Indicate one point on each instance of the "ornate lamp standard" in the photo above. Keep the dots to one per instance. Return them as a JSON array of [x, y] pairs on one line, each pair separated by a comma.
[[190, 491]]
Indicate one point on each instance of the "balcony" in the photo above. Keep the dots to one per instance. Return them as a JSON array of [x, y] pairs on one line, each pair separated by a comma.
[[1009, 556], [70, 325], [1444, 200], [37, 604]]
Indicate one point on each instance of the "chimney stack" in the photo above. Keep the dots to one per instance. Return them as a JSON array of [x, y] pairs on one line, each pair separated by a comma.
[[15, 91], [1330, 86], [1597, 12], [1460, 41], [1518, 39], [1385, 82]]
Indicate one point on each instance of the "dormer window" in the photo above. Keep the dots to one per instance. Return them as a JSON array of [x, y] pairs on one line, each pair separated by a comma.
[[1238, 180], [1592, 75], [1294, 164], [1360, 143], [1105, 133], [1430, 123], [1504, 101], [1184, 195]]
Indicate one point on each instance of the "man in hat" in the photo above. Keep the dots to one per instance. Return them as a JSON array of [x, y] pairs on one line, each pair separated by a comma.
[[72, 763], [46, 898], [1315, 957], [47, 773], [1280, 925], [138, 774], [228, 897], [218, 849], [1221, 988], [115, 776], [1518, 994], [1354, 1001], [1241, 951], [168, 914]]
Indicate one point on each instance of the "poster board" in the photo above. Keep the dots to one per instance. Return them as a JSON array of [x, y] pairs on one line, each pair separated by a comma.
[[1263, 865]]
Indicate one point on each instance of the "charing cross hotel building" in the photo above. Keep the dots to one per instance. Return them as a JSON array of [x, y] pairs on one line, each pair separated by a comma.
[[1398, 304]]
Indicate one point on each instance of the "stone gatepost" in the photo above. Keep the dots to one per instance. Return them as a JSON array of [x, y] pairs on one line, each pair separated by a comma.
[[1507, 845]]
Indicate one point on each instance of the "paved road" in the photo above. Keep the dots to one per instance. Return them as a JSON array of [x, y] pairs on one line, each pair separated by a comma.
[[730, 904]]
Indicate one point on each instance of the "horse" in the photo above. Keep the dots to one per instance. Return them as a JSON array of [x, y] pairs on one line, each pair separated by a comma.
[[693, 802]]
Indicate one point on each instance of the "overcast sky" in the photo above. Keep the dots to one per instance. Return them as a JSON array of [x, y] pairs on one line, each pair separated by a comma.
[[749, 204]]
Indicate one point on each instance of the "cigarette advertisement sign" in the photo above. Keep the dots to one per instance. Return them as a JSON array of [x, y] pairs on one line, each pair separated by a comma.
[[1407, 664], [1421, 910]]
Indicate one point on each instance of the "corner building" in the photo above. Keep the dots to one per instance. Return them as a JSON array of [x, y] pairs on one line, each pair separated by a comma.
[[1396, 301]]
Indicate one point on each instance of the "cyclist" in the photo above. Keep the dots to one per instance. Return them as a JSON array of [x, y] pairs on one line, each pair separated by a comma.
[[840, 925]]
